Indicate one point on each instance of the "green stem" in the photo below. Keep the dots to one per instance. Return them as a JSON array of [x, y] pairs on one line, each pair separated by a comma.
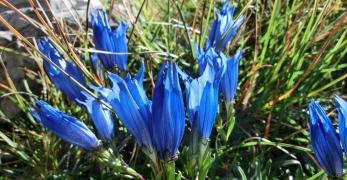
[[230, 119], [200, 156], [169, 170], [204, 156], [108, 159], [154, 159]]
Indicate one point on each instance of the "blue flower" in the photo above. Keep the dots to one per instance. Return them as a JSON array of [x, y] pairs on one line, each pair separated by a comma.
[[132, 108], [220, 61], [68, 128], [101, 116], [62, 82], [168, 112], [341, 106], [137, 91], [216, 59], [325, 141], [224, 27], [230, 78], [111, 41], [202, 99]]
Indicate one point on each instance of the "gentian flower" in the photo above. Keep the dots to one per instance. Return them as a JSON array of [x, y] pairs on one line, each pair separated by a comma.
[[135, 86], [325, 141], [208, 56], [101, 116], [111, 41], [168, 119], [230, 78], [202, 99], [224, 27], [67, 127], [219, 61], [62, 82], [341, 106], [132, 108]]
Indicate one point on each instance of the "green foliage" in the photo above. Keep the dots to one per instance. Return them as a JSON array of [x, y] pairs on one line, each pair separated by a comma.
[[294, 51]]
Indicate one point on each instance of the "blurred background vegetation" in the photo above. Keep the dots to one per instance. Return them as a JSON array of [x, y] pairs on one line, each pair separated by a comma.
[[294, 51]]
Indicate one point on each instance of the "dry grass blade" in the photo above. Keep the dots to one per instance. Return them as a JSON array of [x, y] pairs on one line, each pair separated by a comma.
[[195, 17], [32, 47], [12, 88], [3, 86], [68, 45], [44, 27]]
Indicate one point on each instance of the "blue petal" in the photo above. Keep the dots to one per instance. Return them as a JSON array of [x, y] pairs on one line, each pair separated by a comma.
[[120, 41], [67, 127], [224, 27], [35, 114], [138, 93], [230, 78], [341, 106], [325, 141], [194, 98], [104, 92], [102, 38], [168, 112], [230, 33], [212, 57], [207, 110], [101, 116], [62, 82], [188, 83], [222, 21]]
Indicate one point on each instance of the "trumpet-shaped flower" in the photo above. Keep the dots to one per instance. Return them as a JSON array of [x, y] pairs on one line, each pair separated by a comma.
[[224, 27], [135, 86], [67, 127], [325, 141], [230, 78], [111, 41], [202, 99], [209, 56], [101, 117], [168, 112], [219, 61], [132, 108], [63, 83], [341, 106]]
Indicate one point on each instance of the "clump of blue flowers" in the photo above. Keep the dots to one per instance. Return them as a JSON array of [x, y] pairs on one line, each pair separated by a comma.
[[158, 125]]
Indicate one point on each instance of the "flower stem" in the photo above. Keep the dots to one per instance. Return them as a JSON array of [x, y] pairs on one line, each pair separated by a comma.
[[108, 159], [230, 119], [200, 156], [154, 159]]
